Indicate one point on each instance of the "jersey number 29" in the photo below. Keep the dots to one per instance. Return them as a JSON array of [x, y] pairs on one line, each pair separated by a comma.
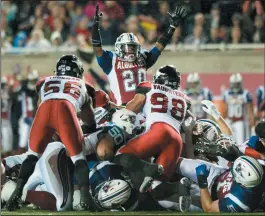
[[161, 103]]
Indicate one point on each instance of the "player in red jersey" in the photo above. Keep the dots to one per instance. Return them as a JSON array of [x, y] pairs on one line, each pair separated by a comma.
[[165, 109], [62, 97], [126, 67]]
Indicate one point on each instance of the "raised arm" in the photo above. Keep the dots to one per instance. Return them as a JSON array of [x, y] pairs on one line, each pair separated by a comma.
[[96, 39], [175, 20], [210, 109]]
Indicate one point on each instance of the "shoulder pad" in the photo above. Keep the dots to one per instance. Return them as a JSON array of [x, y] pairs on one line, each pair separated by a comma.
[[39, 84]]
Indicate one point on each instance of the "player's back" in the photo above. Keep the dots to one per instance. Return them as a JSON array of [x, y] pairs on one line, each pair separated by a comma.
[[164, 104], [67, 88]]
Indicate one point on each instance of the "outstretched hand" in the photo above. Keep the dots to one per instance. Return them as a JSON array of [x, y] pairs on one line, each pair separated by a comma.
[[97, 14], [177, 17]]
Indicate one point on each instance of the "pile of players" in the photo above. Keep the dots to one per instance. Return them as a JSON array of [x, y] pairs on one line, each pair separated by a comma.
[[143, 151]]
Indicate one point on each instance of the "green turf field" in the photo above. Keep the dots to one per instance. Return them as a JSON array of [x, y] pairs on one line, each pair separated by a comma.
[[166, 213]]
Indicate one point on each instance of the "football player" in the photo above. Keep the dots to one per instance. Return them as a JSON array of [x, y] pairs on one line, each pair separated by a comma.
[[62, 97], [6, 129], [197, 93], [210, 140], [27, 100], [165, 109], [238, 189], [260, 102], [126, 67], [53, 187], [239, 108], [255, 145]]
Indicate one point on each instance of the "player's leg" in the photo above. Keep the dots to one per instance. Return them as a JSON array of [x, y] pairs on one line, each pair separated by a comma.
[[238, 131], [148, 144], [170, 153], [7, 136], [23, 133], [187, 168], [56, 175], [40, 136], [71, 135]]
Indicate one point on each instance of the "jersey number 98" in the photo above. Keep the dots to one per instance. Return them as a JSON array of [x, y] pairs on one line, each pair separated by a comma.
[[160, 104]]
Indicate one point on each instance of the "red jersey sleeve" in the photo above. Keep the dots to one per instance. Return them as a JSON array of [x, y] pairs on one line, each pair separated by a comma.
[[39, 85], [102, 98], [144, 87]]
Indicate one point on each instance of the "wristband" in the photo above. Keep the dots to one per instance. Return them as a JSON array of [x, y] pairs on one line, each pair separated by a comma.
[[202, 181], [96, 38]]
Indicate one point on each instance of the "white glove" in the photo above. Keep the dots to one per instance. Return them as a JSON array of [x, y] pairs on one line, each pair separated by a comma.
[[211, 109]]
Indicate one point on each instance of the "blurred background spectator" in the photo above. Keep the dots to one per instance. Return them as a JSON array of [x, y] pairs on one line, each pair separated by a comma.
[[45, 23]]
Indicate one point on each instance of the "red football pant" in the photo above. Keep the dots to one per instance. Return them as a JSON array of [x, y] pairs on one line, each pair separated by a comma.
[[162, 141], [56, 116]]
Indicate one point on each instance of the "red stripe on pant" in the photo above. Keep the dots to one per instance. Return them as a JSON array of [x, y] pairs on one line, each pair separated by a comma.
[[162, 141]]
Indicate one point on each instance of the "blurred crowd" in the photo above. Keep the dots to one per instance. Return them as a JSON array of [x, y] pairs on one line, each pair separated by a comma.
[[42, 24]]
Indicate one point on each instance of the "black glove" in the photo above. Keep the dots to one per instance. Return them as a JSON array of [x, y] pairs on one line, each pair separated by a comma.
[[177, 17], [96, 39], [97, 15]]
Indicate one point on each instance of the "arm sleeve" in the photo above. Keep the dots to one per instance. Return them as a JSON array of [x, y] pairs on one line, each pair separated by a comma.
[[143, 88], [232, 204], [151, 57], [210, 95], [249, 98], [105, 61]]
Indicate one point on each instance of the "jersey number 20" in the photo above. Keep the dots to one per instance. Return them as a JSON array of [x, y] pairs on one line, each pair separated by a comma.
[[161, 102], [129, 80], [71, 88]]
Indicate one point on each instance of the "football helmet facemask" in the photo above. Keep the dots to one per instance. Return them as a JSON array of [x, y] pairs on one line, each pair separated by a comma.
[[168, 76], [193, 82], [127, 47], [236, 82], [69, 65]]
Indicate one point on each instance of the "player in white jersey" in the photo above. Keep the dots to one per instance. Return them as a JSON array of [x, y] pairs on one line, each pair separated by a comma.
[[239, 108], [165, 109], [126, 67], [62, 97], [197, 94], [6, 129]]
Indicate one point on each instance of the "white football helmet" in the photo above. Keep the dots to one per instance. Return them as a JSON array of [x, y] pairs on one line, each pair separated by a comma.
[[127, 47], [114, 193], [247, 171], [125, 119], [193, 82], [236, 82]]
